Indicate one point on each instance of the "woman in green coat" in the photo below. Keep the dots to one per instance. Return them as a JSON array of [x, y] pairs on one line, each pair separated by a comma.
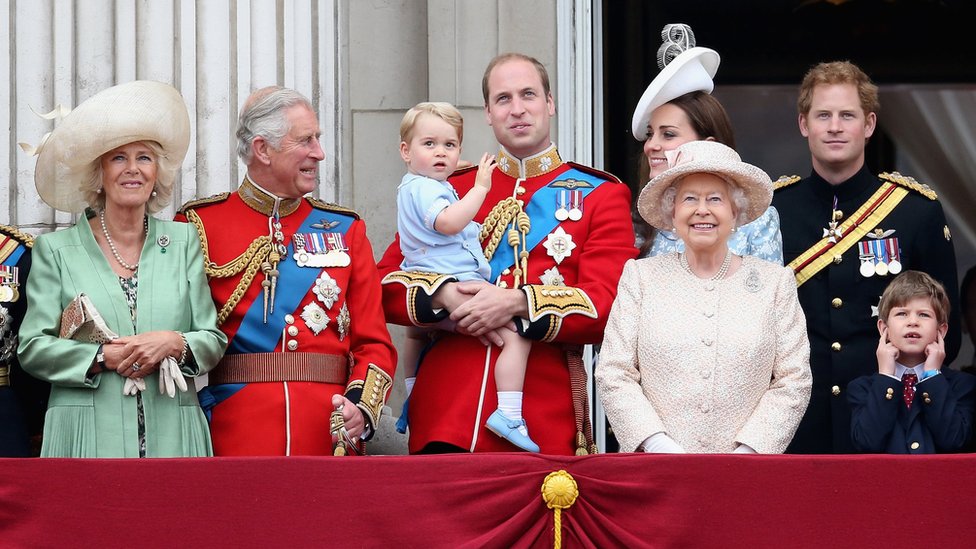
[[118, 153]]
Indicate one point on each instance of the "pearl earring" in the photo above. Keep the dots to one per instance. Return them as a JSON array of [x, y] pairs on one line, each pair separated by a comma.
[[154, 193], [98, 191]]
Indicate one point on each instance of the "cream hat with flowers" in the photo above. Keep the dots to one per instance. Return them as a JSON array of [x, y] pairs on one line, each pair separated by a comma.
[[684, 69], [706, 157], [137, 111]]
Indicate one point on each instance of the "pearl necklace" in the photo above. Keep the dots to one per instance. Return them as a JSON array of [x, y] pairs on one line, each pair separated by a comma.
[[111, 243], [722, 271]]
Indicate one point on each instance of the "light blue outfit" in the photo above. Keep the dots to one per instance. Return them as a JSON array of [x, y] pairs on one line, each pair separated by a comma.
[[419, 201], [761, 239]]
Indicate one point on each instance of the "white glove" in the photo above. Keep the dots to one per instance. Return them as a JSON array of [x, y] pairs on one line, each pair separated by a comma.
[[660, 443], [744, 449], [133, 385], [170, 377]]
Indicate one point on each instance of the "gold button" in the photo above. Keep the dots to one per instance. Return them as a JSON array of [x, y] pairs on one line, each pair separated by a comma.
[[925, 395], [915, 445], [289, 319], [835, 390], [835, 346], [890, 393], [507, 272], [928, 401], [292, 345], [888, 396], [837, 303], [293, 330], [520, 190], [838, 259]]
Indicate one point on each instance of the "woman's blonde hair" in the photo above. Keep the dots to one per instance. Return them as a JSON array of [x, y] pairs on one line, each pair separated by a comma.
[[163, 186]]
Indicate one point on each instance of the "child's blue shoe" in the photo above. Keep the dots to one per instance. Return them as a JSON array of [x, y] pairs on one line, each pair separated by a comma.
[[508, 429]]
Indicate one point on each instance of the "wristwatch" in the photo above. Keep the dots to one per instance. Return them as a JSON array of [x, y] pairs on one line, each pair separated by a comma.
[[100, 359]]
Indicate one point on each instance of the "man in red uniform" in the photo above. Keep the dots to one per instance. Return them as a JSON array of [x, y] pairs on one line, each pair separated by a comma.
[[556, 235], [298, 296]]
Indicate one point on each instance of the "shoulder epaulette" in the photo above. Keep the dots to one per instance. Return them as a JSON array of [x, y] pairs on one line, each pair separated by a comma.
[[18, 235], [785, 181], [193, 204], [909, 183], [595, 172], [464, 170], [329, 206]]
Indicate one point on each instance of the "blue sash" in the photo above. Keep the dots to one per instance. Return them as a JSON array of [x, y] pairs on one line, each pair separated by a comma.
[[14, 257], [254, 336], [541, 210], [294, 282]]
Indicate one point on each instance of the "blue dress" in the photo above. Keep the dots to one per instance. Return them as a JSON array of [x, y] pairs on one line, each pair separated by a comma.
[[419, 201], [760, 238]]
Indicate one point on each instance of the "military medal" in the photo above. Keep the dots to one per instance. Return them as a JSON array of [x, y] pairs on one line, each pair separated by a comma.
[[9, 282], [867, 259], [342, 322], [881, 258], [894, 265], [562, 211], [575, 205], [559, 245], [326, 289], [336, 255]]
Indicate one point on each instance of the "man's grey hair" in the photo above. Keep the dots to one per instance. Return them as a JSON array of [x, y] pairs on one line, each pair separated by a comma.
[[263, 115]]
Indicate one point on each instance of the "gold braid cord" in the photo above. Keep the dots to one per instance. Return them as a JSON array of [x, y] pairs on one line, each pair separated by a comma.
[[559, 491], [495, 227], [248, 262]]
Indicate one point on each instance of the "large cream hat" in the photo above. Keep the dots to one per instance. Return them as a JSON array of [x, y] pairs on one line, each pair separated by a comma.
[[691, 69], [706, 157], [137, 111]]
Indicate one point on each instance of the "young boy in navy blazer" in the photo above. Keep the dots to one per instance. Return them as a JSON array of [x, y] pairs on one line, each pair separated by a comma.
[[912, 405]]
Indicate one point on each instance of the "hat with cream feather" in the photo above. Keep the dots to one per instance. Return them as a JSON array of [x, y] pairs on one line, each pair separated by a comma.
[[137, 111]]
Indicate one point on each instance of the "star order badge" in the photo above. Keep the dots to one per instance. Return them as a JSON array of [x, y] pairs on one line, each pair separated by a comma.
[[326, 289], [315, 317], [559, 245], [342, 322]]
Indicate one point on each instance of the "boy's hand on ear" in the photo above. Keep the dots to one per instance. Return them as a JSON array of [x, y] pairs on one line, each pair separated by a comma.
[[887, 354], [935, 354]]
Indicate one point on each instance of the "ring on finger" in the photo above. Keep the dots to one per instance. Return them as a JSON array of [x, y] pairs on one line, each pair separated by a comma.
[[135, 366]]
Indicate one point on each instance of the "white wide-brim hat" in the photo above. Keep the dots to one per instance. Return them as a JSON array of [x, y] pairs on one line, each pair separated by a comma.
[[137, 111], [691, 71], [706, 157]]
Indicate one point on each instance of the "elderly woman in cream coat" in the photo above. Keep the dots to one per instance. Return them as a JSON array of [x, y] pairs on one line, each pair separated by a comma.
[[705, 351], [118, 154]]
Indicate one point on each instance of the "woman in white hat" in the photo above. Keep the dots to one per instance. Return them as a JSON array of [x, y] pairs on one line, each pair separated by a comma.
[[118, 153], [705, 351], [677, 107]]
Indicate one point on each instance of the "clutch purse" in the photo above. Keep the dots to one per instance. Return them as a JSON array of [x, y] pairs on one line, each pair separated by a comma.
[[80, 321]]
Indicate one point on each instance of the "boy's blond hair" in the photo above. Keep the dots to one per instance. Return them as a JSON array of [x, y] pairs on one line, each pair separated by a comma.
[[910, 285], [445, 111]]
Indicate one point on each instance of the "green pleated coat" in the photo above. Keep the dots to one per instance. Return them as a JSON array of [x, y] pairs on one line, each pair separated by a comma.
[[91, 417]]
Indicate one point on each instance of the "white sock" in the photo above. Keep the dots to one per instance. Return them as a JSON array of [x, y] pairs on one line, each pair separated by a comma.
[[409, 383], [510, 404]]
